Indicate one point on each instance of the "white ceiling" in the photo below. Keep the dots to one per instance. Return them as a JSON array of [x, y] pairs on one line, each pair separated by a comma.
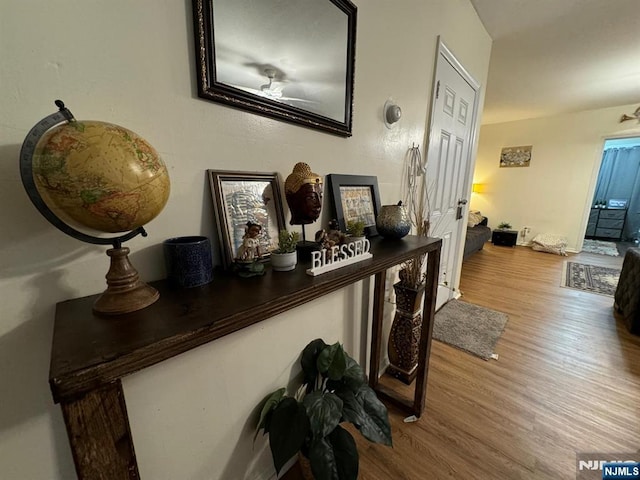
[[558, 56]]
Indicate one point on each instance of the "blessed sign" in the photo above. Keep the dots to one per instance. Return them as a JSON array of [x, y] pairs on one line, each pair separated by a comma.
[[325, 260]]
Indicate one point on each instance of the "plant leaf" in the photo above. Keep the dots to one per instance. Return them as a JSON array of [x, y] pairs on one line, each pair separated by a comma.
[[309, 360], [270, 403], [374, 417], [323, 461], [287, 431], [354, 376], [352, 409], [336, 457], [332, 361], [324, 411], [346, 453]]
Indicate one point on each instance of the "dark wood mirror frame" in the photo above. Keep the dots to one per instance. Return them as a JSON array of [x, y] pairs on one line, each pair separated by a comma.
[[211, 89]]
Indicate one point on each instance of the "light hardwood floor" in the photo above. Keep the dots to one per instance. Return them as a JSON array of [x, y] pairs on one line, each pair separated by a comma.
[[567, 380]]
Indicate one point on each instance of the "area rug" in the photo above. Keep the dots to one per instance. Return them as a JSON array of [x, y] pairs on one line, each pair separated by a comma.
[[601, 247], [590, 278], [469, 327]]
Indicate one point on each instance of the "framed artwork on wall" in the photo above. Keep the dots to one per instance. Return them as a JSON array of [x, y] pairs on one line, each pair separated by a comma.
[[516, 156], [242, 197], [355, 197]]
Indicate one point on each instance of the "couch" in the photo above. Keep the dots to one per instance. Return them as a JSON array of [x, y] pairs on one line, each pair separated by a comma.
[[476, 237], [627, 296]]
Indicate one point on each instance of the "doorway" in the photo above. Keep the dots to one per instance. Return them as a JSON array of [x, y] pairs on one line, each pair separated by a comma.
[[454, 108], [614, 217]]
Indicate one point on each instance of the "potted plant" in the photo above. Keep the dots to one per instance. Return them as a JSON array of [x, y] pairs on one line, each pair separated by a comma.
[[504, 226], [334, 390], [355, 230], [285, 257]]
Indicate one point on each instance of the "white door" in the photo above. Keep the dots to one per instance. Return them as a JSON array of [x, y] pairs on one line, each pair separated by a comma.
[[448, 174]]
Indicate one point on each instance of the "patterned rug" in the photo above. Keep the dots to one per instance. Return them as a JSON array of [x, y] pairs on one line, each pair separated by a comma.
[[590, 278], [601, 247], [469, 327]]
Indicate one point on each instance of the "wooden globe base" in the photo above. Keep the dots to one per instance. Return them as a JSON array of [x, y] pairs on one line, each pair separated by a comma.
[[125, 292]]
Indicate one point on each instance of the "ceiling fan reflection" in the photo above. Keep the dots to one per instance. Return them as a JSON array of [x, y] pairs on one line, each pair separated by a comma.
[[273, 90]]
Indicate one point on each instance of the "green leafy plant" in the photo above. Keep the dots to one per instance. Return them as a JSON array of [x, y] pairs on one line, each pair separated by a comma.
[[334, 390], [287, 241], [355, 228], [504, 225]]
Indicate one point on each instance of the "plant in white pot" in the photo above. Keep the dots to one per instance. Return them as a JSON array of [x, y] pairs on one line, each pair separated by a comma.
[[334, 390], [355, 230], [285, 257]]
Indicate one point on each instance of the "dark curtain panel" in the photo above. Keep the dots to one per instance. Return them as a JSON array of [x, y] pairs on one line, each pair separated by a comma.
[[619, 178]]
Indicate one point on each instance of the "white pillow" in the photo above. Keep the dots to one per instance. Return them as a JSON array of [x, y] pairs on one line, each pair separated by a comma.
[[550, 243], [475, 217]]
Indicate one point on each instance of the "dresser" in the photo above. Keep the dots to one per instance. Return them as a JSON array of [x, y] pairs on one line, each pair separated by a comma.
[[606, 223]]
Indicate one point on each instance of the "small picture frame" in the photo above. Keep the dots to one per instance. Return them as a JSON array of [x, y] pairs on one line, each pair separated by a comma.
[[241, 197], [516, 156], [355, 197]]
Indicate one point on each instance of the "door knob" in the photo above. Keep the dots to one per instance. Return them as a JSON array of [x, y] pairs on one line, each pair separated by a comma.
[[461, 203]]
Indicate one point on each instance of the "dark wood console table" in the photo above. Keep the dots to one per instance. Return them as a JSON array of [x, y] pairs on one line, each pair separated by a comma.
[[91, 354]]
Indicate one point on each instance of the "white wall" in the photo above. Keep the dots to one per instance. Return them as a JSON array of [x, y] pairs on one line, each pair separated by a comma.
[[554, 193], [132, 63]]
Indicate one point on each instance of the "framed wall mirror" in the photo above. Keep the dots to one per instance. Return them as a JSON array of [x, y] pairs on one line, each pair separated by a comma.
[[291, 60]]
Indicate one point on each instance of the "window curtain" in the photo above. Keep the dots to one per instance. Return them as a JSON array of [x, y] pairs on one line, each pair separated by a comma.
[[619, 178]]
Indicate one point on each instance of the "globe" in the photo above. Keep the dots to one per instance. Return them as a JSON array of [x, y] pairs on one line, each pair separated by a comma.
[[104, 178], [99, 175]]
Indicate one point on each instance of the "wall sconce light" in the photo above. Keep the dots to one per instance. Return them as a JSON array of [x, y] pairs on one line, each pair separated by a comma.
[[391, 113], [478, 187]]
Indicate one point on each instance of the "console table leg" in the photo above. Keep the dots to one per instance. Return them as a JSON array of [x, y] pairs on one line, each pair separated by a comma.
[[428, 314], [376, 327], [99, 434], [424, 348]]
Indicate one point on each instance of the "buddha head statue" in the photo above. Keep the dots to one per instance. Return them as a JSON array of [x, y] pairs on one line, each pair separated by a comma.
[[303, 191]]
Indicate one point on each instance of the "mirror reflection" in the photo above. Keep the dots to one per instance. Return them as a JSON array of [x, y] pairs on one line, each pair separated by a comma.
[[295, 53], [290, 51]]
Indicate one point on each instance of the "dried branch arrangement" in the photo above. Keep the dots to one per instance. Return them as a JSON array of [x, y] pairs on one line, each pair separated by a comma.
[[412, 273]]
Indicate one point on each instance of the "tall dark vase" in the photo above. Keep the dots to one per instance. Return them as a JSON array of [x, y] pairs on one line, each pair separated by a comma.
[[404, 337]]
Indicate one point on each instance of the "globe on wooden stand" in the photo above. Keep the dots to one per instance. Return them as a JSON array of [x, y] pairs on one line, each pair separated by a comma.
[[102, 177]]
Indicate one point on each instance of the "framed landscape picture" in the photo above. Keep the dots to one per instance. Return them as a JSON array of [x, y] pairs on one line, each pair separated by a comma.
[[355, 197], [516, 156], [242, 197]]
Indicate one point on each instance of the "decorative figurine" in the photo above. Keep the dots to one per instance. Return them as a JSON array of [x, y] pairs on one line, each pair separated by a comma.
[[303, 191], [331, 237], [247, 262], [250, 248]]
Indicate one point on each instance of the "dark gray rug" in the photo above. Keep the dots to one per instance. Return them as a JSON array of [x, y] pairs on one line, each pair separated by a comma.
[[469, 327], [590, 278]]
